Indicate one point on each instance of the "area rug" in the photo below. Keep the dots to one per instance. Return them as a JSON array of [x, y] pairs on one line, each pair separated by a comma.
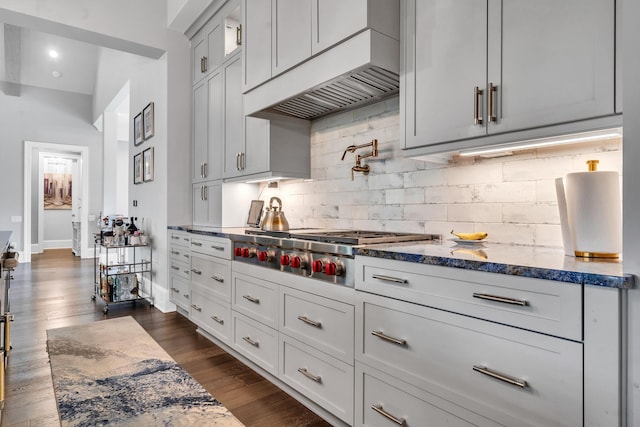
[[112, 373]]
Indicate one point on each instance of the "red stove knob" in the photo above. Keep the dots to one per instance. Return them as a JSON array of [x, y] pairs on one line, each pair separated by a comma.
[[263, 256], [245, 252], [316, 266], [332, 269], [296, 262], [284, 260], [237, 251]]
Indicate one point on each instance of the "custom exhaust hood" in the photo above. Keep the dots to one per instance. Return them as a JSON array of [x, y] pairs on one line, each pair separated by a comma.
[[362, 69]]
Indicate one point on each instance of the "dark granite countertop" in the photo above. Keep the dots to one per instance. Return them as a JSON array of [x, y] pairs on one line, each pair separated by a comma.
[[526, 261]]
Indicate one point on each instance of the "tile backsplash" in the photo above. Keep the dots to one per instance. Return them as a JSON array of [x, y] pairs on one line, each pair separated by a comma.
[[512, 198]]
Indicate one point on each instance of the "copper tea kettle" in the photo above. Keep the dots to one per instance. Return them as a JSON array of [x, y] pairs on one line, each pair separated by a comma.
[[274, 219]]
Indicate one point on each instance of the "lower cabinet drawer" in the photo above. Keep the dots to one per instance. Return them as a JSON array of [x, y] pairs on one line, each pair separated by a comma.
[[321, 322], [495, 369], [180, 294], [255, 298], [179, 269], [210, 314], [212, 273], [384, 401], [180, 254], [322, 378], [257, 342]]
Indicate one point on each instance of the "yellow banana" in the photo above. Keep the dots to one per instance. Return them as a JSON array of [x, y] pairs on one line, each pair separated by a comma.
[[470, 236]]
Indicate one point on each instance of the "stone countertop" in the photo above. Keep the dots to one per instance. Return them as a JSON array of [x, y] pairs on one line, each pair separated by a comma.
[[526, 261]]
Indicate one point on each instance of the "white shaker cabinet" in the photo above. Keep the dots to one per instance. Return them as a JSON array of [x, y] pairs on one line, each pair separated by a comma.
[[256, 51], [472, 69], [233, 118], [291, 33], [207, 129], [206, 49], [207, 205]]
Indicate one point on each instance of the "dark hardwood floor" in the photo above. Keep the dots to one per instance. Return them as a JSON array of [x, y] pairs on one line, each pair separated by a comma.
[[55, 290]]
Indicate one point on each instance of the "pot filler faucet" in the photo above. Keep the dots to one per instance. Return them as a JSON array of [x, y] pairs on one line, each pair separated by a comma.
[[359, 167]]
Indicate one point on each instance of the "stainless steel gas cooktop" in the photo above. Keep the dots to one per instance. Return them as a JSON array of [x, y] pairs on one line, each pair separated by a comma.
[[314, 253]]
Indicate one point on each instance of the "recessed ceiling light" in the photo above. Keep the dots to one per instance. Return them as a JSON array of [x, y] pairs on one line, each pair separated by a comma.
[[53, 53], [56, 74]]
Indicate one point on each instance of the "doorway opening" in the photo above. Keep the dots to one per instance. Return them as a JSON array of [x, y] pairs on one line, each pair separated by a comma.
[[34, 155]]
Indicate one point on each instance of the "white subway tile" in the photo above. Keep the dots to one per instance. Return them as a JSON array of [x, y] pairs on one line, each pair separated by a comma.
[[505, 192], [425, 212], [405, 226], [444, 194], [474, 212], [548, 235], [536, 169], [404, 196], [474, 174], [531, 213], [383, 212], [517, 234], [425, 178], [353, 211], [546, 191]]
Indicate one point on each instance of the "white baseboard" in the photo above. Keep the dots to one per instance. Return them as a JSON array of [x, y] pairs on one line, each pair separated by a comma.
[[56, 244]]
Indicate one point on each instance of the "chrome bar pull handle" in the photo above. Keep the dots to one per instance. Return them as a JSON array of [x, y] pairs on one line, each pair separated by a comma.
[[173, 267], [194, 271], [504, 300], [389, 279], [493, 90], [185, 296], [500, 376], [195, 307], [217, 319], [477, 119], [206, 169], [379, 409], [239, 35], [218, 279], [309, 375], [252, 299], [217, 248], [252, 342], [175, 252], [308, 321], [398, 341], [175, 237], [196, 243], [203, 64], [176, 290]]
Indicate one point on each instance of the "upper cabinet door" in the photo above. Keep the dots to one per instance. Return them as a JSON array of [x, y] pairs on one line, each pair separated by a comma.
[[216, 128], [335, 20], [256, 49], [200, 148], [291, 33], [233, 118], [206, 49], [444, 60], [551, 60]]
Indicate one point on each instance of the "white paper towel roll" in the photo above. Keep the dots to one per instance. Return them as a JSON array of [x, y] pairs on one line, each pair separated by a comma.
[[594, 213], [567, 234]]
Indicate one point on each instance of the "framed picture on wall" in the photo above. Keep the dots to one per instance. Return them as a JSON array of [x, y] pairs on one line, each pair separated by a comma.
[[147, 164], [138, 135], [137, 168], [147, 114]]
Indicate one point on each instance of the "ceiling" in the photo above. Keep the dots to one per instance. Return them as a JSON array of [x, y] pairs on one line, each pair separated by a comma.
[[25, 60]]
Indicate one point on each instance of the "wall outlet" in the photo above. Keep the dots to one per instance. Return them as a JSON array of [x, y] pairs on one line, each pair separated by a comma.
[[16, 218]]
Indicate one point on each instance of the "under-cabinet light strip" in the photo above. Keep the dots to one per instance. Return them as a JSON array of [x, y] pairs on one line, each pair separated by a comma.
[[538, 143]]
